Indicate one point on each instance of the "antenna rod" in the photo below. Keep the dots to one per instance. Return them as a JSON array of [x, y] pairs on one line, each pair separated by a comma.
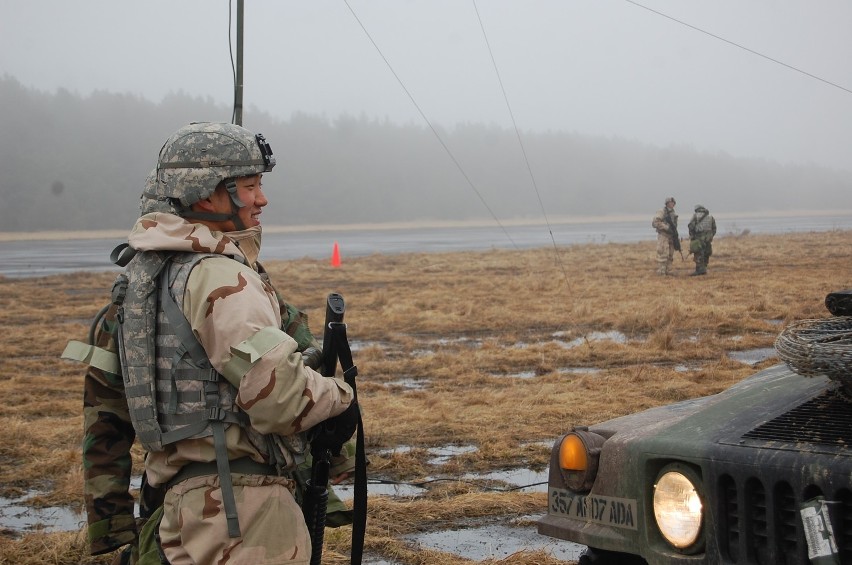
[[238, 87]]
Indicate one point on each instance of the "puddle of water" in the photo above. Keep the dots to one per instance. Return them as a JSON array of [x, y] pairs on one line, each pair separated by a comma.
[[356, 345], [579, 370], [448, 340], [393, 450], [441, 455], [611, 335], [496, 541], [521, 375], [346, 491], [753, 356], [409, 383], [15, 515], [531, 481], [435, 345]]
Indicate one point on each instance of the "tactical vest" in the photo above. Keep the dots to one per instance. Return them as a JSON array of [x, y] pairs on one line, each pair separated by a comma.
[[186, 396], [173, 392], [704, 227]]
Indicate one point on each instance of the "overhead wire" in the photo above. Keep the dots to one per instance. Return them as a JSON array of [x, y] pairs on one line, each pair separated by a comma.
[[431, 127], [743, 47], [482, 484], [521, 143]]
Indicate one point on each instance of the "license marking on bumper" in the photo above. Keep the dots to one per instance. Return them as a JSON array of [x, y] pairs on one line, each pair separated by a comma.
[[607, 510]]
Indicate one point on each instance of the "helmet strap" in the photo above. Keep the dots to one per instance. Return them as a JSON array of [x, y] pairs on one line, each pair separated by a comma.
[[209, 216], [236, 204]]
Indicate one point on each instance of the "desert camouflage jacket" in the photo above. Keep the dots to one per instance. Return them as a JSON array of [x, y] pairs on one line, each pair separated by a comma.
[[659, 222], [225, 302]]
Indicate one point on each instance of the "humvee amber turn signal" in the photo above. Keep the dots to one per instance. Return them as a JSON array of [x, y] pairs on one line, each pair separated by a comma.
[[578, 458]]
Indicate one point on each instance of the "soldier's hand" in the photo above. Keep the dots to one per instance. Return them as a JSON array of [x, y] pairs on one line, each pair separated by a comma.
[[312, 357], [337, 430]]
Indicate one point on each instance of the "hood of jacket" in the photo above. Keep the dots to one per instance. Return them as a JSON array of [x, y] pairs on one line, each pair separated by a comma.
[[160, 231]]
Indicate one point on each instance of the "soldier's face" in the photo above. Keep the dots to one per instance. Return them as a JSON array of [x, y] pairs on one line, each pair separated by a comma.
[[250, 193]]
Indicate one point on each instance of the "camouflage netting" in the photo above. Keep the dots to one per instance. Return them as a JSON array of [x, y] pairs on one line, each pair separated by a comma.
[[819, 347]]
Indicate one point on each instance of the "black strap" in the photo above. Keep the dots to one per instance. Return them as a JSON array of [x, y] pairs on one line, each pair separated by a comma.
[[242, 466], [359, 500], [216, 416], [122, 254]]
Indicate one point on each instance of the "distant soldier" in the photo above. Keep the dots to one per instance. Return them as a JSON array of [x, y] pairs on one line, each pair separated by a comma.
[[668, 240], [702, 228]]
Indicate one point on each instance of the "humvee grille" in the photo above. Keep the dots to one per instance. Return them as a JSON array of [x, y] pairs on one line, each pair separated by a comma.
[[757, 528], [787, 517], [844, 521], [825, 419], [757, 520]]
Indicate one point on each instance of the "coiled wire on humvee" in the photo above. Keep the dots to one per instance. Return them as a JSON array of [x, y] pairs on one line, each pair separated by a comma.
[[816, 347]]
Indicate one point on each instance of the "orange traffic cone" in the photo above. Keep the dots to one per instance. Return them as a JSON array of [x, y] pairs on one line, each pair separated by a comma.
[[335, 256]]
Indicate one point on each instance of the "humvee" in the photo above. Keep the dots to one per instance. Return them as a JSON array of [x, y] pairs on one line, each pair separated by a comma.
[[759, 473]]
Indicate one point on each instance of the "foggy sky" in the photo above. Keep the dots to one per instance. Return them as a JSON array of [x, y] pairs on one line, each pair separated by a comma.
[[596, 67]]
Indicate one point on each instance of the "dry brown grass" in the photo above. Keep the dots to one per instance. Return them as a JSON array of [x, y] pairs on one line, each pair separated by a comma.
[[463, 323]]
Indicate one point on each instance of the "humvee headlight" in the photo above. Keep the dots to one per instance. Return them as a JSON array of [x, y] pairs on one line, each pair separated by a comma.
[[678, 508], [578, 458]]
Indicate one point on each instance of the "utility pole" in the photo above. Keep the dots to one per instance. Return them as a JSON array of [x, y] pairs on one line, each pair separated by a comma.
[[238, 87]]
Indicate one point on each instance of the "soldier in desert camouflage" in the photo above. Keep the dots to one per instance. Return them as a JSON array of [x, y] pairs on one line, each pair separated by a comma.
[[668, 240], [201, 218]]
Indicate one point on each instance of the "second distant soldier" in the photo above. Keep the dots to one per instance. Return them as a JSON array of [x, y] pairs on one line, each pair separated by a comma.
[[702, 228]]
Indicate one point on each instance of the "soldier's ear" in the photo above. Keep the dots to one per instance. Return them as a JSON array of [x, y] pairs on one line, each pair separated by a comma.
[[204, 205]]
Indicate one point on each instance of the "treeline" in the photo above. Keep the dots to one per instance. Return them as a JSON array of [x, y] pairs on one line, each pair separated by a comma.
[[75, 162]]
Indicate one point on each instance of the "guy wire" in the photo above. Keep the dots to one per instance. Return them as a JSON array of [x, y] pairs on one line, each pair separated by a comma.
[[434, 131], [521, 144], [743, 47]]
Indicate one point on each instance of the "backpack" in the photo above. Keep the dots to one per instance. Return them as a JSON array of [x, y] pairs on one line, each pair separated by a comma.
[[150, 325], [173, 392]]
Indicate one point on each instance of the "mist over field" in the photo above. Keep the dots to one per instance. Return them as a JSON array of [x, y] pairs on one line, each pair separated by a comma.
[[382, 111], [73, 162]]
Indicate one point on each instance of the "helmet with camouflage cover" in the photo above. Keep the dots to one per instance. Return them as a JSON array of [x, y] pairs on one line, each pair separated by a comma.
[[196, 159]]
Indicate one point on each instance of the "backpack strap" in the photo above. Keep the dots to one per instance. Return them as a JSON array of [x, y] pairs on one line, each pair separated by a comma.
[[89, 353], [214, 415], [122, 254], [134, 292]]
